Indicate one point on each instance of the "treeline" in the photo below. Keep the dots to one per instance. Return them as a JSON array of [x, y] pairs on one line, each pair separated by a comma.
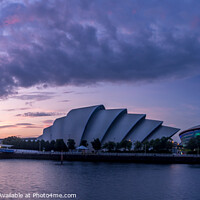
[[163, 145], [41, 145], [19, 143]]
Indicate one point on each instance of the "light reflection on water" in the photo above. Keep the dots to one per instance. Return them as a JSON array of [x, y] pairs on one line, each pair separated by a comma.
[[99, 181]]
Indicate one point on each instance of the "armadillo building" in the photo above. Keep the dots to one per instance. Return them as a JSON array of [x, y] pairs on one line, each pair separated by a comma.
[[186, 135], [93, 122]]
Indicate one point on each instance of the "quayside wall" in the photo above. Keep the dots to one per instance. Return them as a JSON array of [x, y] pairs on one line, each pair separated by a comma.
[[109, 157]]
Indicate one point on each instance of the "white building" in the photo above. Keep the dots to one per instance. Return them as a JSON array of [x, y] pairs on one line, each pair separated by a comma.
[[93, 122]]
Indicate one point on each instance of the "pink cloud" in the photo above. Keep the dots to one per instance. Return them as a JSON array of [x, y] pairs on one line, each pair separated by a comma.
[[12, 20]]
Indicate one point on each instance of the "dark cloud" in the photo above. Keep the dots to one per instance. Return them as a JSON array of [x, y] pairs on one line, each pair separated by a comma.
[[8, 126], [30, 103], [39, 114], [54, 43], [20, 125], [44, 86], [32, 126], [24, 124], [36, 97], [27, 125], [68, 92]]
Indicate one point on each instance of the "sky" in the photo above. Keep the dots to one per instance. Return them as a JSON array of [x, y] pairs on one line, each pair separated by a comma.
[[56, 55]]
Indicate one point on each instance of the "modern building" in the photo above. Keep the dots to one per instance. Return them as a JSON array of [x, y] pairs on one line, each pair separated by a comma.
[[186, 135], [93, 122]]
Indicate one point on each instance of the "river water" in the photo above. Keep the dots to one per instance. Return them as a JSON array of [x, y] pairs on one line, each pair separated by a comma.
[[99, 181]]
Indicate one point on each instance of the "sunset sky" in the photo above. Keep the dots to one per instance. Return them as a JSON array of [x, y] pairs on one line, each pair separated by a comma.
[[62, 54]]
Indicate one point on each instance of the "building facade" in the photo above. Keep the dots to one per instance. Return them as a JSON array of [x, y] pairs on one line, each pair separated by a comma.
[[115, 125], [186, 135]]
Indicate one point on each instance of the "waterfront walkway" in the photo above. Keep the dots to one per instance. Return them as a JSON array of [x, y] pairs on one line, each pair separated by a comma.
[[104, 157], [20, 151]]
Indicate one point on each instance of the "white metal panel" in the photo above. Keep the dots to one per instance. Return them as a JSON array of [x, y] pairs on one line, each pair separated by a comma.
[[122, 127], [47, 134], [57, 128], [76, 121], [142, 130], [100, 123], [163, 131]]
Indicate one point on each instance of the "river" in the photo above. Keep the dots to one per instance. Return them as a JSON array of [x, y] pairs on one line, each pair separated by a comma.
[[100, 181]]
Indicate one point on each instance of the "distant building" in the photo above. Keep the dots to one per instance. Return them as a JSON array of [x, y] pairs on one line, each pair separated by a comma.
[[93, 122], [186, 135]]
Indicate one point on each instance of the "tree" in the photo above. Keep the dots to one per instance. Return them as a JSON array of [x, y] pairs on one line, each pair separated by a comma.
[[198, 142], [126, 144], [156, 145], [118, 146], [96, 144], [151, 143], [166, 143], [137, 146], [42, 143], [36, 145], [146, 146], [60, 145], [71, 144], [192, 144], [84, 143], [129, 145], [162, 145], [110, 146], [47, 146], [13, 140], [52, 145]]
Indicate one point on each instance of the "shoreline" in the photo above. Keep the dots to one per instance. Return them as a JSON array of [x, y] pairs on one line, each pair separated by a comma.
[[108, 157]]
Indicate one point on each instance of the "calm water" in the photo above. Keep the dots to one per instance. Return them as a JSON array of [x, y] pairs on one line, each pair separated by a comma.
[[99, 181]]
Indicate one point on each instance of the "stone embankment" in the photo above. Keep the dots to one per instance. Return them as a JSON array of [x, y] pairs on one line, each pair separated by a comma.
[[105, 157]]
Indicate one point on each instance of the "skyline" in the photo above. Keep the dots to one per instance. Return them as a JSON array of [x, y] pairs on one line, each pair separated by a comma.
[[60, 55]]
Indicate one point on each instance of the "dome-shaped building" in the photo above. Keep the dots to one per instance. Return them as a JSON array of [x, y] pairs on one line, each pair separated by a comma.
[[115, 125], [186, 135]]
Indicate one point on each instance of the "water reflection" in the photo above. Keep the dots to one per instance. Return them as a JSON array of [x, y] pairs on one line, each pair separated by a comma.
[[99, 181]]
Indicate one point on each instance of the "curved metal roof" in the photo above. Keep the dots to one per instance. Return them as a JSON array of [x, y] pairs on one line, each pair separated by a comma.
[[190, 129], [47, 134], [57, 128], [76, 122], [163, 131], [142, 130], [122, 127], [100, 123], [196, 127]]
